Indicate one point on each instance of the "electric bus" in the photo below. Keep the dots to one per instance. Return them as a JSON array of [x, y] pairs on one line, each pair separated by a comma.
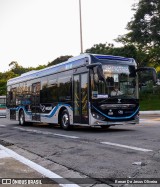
[[79, 92]]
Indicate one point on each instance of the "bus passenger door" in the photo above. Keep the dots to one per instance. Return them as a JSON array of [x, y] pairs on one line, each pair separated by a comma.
[[35, 107], [80, 97]]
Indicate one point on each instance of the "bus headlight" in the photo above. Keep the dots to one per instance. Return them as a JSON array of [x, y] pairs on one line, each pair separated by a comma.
[[98, 116]]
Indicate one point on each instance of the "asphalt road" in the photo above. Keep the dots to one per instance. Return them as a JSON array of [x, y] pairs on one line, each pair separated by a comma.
[[119, 152]]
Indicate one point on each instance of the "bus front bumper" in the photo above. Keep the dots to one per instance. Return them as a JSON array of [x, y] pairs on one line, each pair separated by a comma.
[[95, 122]]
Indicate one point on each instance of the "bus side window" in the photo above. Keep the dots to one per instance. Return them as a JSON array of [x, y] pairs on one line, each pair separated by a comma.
[[11, 97], [64, 88], [48, 94]]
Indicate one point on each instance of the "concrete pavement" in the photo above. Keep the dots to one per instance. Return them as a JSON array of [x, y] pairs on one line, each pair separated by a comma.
[[15, 173], [152, 112], [18, 171]]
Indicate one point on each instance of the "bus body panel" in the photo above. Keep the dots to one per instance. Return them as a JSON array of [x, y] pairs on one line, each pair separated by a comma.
[[51, 117]]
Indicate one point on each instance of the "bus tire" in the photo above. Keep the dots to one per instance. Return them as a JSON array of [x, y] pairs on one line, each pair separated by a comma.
[[21, 118], [64, 120], [105, 127]]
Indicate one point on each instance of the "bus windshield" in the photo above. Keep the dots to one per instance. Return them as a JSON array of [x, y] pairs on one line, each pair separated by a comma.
[[118, 81]]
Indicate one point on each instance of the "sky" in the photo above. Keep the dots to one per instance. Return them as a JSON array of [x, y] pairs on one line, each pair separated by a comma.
[[35, 32]]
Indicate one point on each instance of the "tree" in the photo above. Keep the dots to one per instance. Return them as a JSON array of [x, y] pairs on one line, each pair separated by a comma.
[[144, 30], [100, 48], [16, 68], [59, 60], [3, 80]]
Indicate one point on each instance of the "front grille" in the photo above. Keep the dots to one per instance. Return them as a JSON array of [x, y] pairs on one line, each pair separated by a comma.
[[117, 106]]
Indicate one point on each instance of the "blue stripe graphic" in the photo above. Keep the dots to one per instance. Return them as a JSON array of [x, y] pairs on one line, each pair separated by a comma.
[[54, 110], [127, 117]]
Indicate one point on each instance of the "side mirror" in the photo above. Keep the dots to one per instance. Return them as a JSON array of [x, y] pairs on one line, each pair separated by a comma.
[[147, 74], [132, 71]]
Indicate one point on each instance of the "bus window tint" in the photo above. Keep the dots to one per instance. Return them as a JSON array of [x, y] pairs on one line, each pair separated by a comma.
[[48, 94], [64, 89]]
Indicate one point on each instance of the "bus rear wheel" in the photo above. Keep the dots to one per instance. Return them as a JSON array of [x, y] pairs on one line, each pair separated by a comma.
[[21, 118], [65, 121]]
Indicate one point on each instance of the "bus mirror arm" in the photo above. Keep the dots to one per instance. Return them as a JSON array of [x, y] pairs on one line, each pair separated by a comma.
[[154, 73], [91, 66]]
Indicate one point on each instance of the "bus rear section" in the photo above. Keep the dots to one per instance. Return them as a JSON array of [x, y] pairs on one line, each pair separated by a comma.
[[2, 106]]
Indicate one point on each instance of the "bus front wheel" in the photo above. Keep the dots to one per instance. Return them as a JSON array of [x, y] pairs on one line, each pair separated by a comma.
[[105, 127], [65, 121]]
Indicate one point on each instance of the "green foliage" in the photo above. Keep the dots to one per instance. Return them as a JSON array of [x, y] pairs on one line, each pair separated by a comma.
[[158, 72], [39, 67], [150, 101], [100, 49], [109, 49], [17, 70], [150, 97], [59, 60], [2, 87], [145, 27], [3, 80], [144, 30]]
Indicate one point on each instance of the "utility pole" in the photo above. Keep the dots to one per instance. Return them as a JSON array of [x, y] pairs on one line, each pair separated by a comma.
[[80, 17]]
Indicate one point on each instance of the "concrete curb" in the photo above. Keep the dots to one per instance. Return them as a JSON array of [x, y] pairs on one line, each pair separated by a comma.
[[151, 112]]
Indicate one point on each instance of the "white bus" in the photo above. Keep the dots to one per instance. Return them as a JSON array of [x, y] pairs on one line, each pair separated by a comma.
[[78, 92], [2, 106]]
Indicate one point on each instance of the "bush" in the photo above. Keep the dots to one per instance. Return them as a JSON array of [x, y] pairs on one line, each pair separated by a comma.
[[150, 101]]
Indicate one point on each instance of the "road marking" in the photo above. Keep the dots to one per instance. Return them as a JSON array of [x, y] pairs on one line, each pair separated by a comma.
[[74, 137], [38, 168], [3, 154], [2, 126], [126, 146], [157, 119], [45, 133]]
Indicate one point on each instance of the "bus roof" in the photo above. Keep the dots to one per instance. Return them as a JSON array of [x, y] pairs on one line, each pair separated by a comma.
[[81, 60]]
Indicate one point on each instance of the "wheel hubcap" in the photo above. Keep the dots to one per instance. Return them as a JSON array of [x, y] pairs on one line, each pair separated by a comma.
[[65, 120], [21, 119]]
